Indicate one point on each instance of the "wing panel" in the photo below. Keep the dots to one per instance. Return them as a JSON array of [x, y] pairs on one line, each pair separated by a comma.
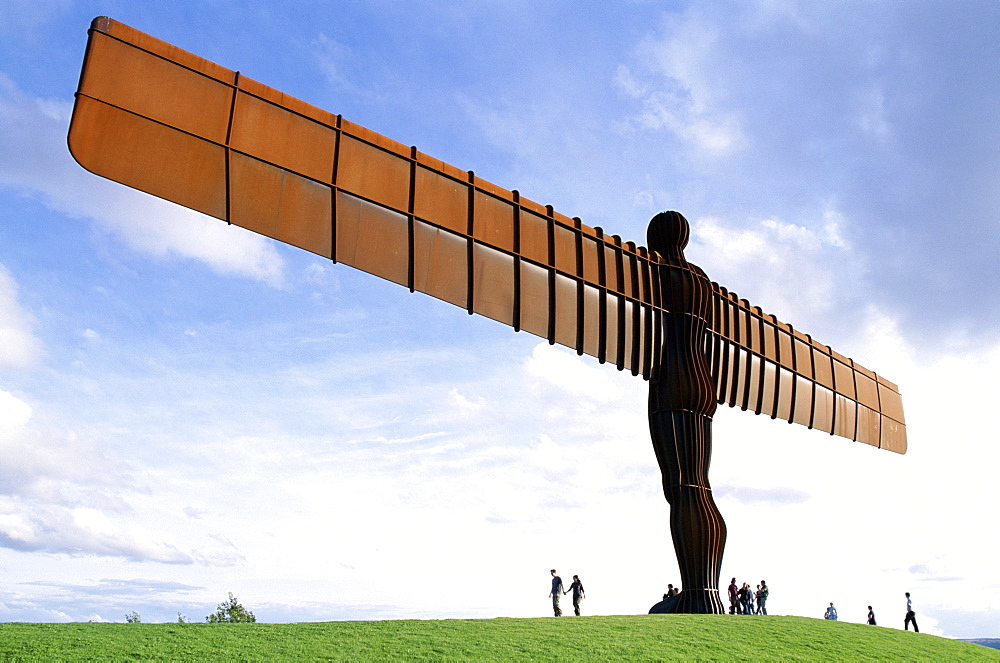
[[159, 119], [823, 400], [442, 200], [372, 239], [567, 313], [278, 136], [124, 76], [493, 221], [280, 204], [149, 156], [868, 426], [440, 263], [373, 173], [493, 290], [893, 436], [534, 294], [812, 385]]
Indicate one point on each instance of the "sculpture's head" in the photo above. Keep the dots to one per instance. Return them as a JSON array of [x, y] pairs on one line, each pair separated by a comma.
[[667, 234]]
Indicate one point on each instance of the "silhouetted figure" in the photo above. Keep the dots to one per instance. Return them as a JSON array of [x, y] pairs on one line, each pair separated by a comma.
[[871, 616], [577, 588], [682, 402], [670, 591], [557, 591], [910, 615]]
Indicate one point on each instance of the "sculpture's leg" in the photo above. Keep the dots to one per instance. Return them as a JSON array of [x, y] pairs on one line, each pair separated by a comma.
[[683, 444]]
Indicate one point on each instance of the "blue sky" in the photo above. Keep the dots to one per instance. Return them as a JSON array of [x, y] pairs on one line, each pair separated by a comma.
[[187, 409]]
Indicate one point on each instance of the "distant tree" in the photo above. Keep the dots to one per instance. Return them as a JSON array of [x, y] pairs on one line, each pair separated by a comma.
[[181, 619], [231, 611], [133, 618]]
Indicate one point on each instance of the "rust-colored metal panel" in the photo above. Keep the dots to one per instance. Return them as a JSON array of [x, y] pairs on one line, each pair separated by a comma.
[[493, 293], [440, 261], [279, 204], [822, 365], [372, 239], [868, 426], [534, 299], [494, 221], [890, 402], [534, 237], [441, 200], [802, 400], [893, 436], [567, 314], [845, 417], [150, 85], [843, 378], [373, 173], [823, 399], [565, 249], [148, 156], [803, 356], [278, 136], [867, 391], [786, 383]]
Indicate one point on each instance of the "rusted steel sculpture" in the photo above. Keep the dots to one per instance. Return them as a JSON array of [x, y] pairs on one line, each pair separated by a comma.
[[159, 119]]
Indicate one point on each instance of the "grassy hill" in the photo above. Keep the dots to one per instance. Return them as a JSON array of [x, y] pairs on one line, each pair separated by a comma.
[[633, 638]]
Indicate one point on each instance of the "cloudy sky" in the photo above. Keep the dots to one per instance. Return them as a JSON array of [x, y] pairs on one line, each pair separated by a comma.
[[188, 409]]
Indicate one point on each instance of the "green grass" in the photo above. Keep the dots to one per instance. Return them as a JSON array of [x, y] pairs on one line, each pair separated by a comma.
[[632, 638]]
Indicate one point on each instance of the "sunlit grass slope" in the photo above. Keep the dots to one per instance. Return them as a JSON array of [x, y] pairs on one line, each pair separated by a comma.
[[633, 638]]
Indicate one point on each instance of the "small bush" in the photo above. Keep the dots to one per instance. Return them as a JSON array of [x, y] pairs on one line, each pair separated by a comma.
[[133, 618], [231, 612]]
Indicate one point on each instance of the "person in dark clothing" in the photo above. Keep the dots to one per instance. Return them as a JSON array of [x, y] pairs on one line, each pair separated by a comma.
[[744, 595], [733, 597], [871, 616], [557, 591], [910, 615], [762, 598], [577, 588], [671, 591]]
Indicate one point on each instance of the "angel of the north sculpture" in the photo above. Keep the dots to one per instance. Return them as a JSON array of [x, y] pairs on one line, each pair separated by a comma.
[[159, 119]]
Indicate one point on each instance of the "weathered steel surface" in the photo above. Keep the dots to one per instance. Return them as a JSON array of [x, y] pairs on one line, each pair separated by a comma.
[[172, 124], [162, 120], [681, 404]]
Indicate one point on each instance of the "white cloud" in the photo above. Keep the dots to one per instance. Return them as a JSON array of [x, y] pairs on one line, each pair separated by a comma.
[[563, 369], [677, 91], [799, 273], [19, 347]]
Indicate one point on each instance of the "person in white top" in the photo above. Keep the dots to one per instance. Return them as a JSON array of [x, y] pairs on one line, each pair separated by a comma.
[[910, 615]]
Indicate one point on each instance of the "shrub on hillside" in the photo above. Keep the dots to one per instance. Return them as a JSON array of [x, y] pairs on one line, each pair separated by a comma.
[[231, 611]]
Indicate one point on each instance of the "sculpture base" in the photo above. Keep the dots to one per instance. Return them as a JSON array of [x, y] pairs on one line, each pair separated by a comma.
[[699, 602]]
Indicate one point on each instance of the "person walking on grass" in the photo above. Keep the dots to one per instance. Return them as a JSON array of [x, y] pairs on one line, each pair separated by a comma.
[[910, 615], [734, 598], [762, 598], [831, 613], [577, 588], [871, 616], [744, 595], [557, 591]]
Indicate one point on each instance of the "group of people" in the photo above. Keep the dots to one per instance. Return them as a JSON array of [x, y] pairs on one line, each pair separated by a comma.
[[911, 617], [557, 592], [746, 601], [742, 600]]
